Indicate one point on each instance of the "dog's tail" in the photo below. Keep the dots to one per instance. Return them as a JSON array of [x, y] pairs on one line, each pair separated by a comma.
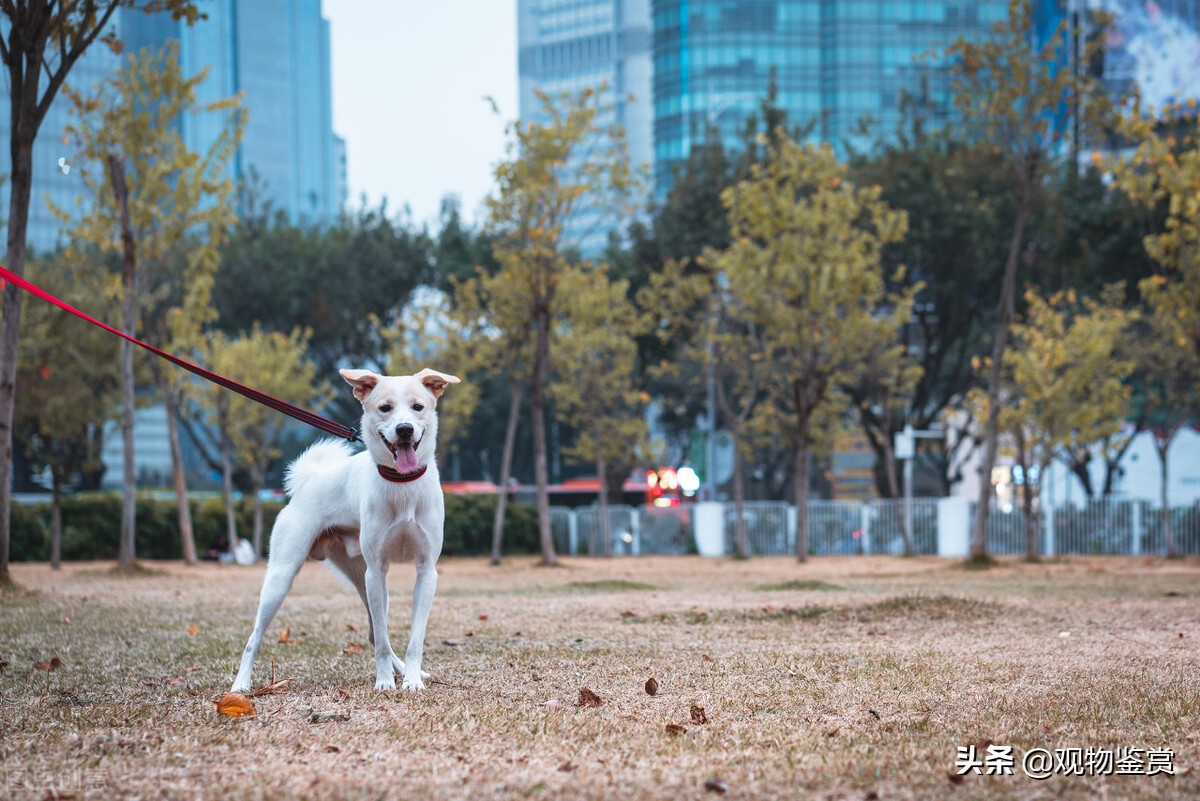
[[320, 456]]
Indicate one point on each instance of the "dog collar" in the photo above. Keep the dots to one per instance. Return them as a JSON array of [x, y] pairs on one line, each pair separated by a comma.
[[396, 477]]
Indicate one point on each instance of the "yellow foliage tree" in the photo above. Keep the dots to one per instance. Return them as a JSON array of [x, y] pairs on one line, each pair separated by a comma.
[[164, 210], [805, 265], [595, 355], [250, 433], [563, 171], [1068, 390]]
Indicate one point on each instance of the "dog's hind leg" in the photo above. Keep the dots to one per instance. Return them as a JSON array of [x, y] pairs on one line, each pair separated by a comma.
[[289, 549]]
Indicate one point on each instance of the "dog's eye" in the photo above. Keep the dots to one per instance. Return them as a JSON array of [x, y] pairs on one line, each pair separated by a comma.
[[385, 408], [417, 407]]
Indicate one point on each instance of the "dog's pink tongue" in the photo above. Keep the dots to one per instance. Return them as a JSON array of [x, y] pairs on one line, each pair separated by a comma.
[[406, 458]]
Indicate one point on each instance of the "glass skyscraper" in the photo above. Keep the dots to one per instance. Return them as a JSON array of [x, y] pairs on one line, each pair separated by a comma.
[[570, 45], [836, 65], [276, 52]]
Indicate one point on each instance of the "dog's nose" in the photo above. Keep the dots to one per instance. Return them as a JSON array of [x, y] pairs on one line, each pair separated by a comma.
[[404, 432]]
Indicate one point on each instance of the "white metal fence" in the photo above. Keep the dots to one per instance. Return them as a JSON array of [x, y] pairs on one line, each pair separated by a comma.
[[877, 527]]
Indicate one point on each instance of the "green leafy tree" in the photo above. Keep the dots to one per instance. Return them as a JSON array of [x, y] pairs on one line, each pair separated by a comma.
[[1013, 91], [161, 208], [954, 199], [349, 282], [250, 433], [805, 263], [67, 381], [44, 41], [1067, 385], [554, 170]]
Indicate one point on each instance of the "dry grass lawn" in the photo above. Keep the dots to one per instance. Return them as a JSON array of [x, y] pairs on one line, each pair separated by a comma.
[[846, 678]]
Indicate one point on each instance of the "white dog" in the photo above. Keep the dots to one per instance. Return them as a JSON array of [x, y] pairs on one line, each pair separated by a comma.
[[363, 511]]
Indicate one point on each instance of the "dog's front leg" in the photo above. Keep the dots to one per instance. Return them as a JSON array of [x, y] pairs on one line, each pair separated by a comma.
[[377, 606], [423, 592]]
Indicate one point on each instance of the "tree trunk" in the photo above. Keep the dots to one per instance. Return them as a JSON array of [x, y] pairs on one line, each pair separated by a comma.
[[602, 499], [889, 456], [740, 546], [541, 470], [22, 119], [801, 484], [186, 536], [127, 552], [1168, 529], [258, 479], [516, 391], [227, 479], [55, 518], [1005, 312]]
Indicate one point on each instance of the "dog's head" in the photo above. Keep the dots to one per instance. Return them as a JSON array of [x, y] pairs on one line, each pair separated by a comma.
[[399, 422]]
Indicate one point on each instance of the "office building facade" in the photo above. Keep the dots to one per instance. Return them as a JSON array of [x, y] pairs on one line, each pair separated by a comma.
[[274, 52], [841, 69], [571, 45]]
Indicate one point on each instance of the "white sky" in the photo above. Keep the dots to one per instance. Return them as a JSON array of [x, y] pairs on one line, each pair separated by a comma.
[[409, 81]]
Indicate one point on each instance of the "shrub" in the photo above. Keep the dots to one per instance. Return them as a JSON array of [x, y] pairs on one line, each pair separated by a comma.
[[92, 526]]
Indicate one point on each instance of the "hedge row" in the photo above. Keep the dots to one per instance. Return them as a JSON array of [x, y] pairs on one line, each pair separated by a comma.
[[92, 524]]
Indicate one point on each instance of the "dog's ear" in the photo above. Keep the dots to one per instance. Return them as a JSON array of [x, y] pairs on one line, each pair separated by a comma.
[[363, 381], [435, 382]]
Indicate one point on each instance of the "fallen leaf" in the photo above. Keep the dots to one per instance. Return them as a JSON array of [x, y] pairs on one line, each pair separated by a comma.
[[587, 698], [716, 786], [833, 732], [651, 686], [175, 682], [698, 716], [53, 664], [332, 749], [66, 619], [470, 634], [955, 778], [567, 767], [352, 648], [192, 630], [192, 669], [283, 635], [675, 729], [350, 627], [706, 658], [483, 617], [235, 705], [343, 695], [273, 687], [871, 796], [452, 643], [629, 613]]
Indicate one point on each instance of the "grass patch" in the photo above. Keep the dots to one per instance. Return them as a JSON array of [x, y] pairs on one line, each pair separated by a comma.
[[864, 695], [929, 607], [800, 585], [609, 586]]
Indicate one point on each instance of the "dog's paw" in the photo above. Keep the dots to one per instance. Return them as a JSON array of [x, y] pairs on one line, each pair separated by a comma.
[[387, 685], [238, 688], [414, 684]]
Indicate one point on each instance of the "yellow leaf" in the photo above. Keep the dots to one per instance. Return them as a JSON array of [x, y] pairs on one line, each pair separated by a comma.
[[235, 705], [192, 631]]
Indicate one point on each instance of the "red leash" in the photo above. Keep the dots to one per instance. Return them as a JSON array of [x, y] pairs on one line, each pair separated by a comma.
[[315, 420]]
